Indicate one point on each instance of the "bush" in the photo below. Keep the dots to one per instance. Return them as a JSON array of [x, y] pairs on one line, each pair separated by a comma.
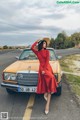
[[5, 47]]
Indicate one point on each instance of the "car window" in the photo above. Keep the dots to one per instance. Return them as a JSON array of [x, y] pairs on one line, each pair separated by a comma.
[[27, 55], [52, 55], [30, 55]]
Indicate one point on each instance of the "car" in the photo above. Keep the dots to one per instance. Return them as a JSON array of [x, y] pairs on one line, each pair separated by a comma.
[[22, 75]]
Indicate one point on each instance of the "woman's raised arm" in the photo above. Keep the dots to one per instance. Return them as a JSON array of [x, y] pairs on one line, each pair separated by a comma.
[[34, 47]]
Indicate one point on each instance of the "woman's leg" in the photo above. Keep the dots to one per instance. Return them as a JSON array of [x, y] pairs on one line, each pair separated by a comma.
[[45, 96], [48, 102]]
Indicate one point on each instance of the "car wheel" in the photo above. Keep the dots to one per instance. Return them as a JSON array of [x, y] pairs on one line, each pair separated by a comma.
[[9, 91], [59, 91]]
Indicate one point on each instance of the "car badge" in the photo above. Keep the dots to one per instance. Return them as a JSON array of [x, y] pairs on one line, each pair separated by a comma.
[[29, 68], [20, 76]]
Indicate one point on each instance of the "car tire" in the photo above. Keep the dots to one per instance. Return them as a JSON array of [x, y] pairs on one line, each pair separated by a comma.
[[9, 91], [59, 91]]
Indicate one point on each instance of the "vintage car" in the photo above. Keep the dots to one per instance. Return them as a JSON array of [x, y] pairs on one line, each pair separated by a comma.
[[22, 75]]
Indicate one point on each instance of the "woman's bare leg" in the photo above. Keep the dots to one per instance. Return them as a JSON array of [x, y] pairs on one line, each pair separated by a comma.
[[48, 102], [46, 94]]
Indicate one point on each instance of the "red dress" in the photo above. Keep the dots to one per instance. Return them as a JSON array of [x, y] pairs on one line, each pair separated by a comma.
[[47, 81]]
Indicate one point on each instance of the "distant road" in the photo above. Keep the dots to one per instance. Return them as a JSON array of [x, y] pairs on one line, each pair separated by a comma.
[[6, 51], [70, 51], [61, 52]]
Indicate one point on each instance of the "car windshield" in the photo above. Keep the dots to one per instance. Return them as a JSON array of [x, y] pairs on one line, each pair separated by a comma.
[[28, 54]]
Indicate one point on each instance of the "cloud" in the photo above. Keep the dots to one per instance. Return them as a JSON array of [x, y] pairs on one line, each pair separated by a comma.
[[34, 19]]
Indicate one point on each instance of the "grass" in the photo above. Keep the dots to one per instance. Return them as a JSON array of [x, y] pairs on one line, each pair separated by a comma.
[[73, 80], [75, 83], [65, 64]]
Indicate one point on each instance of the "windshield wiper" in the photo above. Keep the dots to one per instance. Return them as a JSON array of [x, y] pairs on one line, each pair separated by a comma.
[[25, 58]]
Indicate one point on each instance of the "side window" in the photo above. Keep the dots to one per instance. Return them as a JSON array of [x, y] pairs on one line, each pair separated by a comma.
[[52, 55]]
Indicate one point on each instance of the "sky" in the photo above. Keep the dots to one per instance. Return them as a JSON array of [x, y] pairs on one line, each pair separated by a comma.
[[24, 21]]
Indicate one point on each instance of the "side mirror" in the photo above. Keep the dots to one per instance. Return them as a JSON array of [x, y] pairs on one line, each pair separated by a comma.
[[17, 57], [59, 57]]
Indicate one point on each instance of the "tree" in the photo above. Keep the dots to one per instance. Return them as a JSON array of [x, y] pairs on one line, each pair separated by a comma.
[[76, 38], [10, 47], [52, 43], [5, 47], [69, 42], [63, 41], [60, 40]]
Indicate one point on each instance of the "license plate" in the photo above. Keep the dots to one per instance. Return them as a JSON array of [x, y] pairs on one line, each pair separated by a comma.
[[26, 89]]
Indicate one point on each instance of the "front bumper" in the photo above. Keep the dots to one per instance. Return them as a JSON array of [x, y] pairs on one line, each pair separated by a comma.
[[22, 88], [19, 88]]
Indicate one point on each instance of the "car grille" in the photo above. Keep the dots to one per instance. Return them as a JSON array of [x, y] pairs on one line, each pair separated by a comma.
[[27, 78]]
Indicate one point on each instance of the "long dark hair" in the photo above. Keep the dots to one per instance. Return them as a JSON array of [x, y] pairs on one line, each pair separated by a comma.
[[40, 44]]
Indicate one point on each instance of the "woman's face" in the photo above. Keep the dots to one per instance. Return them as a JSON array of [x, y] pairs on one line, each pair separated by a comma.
[[44, 45]]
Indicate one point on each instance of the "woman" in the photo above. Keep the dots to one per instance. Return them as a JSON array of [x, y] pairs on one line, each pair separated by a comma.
[[46, 81]]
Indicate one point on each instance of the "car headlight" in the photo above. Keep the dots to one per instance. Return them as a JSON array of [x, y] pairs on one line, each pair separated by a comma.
[[9, 76], [20, 76]]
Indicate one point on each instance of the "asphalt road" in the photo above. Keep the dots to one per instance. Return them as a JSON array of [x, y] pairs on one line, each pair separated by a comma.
[[70, 51], [64, 107]]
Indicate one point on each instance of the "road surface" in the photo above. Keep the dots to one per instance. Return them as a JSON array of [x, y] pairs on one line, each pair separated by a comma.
[[21, 106], [70, 51]]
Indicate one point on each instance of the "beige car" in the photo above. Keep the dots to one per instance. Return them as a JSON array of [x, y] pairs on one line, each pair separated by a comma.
[[22, 75]]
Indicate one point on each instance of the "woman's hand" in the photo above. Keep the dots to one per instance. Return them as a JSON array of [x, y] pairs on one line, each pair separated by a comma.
[[43, 72], [37, 40]]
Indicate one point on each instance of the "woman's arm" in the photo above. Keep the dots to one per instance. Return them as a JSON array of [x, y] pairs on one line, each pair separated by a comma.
[[33, 47]]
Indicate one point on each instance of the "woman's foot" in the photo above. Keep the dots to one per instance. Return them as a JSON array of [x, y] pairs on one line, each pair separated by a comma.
[[48, 103], [46, 110]]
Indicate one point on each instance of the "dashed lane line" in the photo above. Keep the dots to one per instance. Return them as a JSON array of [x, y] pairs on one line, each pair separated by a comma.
[[29, 107]]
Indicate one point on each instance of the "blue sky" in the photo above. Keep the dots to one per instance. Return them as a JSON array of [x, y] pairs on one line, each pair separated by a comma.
[[24, 21]]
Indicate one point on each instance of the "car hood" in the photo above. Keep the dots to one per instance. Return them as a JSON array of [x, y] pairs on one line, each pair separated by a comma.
[[33, 65]]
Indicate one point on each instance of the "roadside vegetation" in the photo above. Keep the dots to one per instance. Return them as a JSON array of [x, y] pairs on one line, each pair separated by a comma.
[[71, 64], [63, 41], [5, 47], [75, 83]]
